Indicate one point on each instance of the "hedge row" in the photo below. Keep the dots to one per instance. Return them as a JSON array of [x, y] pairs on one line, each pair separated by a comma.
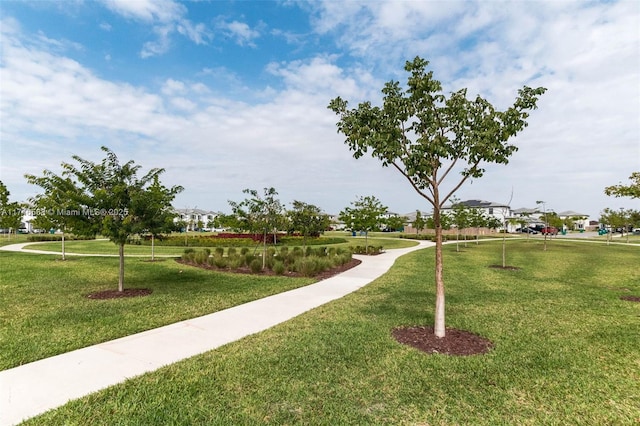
[[371, 250], [309, 263], [56, 237], [226, 240]]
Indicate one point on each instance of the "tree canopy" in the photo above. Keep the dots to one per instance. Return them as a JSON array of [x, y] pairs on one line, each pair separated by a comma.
[[105, 198], [632, 190], [428, 136], [365, 215], [10, 211]]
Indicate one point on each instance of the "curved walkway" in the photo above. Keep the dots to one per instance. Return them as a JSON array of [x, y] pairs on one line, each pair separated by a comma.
[[34, 388], [21, 247]]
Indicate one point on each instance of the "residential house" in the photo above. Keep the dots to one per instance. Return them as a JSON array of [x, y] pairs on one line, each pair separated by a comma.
[[196, 219]]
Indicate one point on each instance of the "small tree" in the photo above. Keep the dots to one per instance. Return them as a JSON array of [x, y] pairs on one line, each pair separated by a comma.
[[477, 220], [365, 215], [613, 219], [307, 219], [154, 206], [427, 137], [395, 223], [460, 218], [108, 197], [10, 212], [259, 215], [419, 223], [55, 207]]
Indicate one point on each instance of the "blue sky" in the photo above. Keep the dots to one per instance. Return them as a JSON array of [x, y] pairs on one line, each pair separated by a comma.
[[234, 95]]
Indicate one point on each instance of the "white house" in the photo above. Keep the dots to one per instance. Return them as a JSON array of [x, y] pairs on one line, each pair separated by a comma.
[[196, 219], [499, 211]]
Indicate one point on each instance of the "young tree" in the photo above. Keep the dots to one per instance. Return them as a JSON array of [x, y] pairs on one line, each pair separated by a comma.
[[10, 212], [460, 218], [419, 223], [55, 207], [154, 206], [632, 190], [477, 220], [259, 214], [108, 197], [427, 137], [395, 223], [307, 219], [365, 215], [614, 219]]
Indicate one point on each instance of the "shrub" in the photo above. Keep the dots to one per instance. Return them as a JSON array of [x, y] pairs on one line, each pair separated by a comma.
[[255, 265], [201, 257], [219, 251], [188, 255], [220, 262], [371, 250], [235, 261], [278, 267], [231, 251], [248, 258], [244, 250]]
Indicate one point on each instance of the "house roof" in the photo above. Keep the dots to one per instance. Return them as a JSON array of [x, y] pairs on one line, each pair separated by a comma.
[[571, 213], [480, 204]]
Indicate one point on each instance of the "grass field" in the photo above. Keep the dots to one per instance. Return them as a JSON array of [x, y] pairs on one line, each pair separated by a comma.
[[44, 310], [566, 349]]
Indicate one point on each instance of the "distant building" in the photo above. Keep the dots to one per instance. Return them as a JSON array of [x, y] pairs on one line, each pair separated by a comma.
[[196, 219]]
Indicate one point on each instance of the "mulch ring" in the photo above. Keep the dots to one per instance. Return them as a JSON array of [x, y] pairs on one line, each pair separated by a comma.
[[506, 268], [455, 342], [115, 294], [245, 270], [631, 298]]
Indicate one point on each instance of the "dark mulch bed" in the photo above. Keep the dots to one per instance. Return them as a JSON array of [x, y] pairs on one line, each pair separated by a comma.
[[245, 270], [455, 342], [631, 298], [135, 292], [506, 268], [115, 294]]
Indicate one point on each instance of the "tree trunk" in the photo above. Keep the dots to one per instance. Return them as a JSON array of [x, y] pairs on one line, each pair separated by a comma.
[[439, 324], [504, 249], [63, 256], [121, 274], [366, 242], [264, 249]]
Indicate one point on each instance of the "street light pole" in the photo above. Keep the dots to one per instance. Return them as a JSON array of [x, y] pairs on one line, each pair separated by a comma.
[[546, 224]]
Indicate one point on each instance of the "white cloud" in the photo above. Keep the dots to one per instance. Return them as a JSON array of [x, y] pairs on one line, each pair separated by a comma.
[[166, 17], [150, 11], [241, 32]]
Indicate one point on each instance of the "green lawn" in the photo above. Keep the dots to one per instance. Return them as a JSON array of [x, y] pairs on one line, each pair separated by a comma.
[[44, 310], [566, 351]]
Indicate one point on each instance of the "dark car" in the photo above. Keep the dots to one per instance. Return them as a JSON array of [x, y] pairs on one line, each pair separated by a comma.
[[527, 231], [550, 230]]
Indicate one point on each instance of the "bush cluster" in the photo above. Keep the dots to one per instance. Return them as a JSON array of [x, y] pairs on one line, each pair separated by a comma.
[[309, 262], [56, 237], [428, 237], [372, 250], [230, 240]]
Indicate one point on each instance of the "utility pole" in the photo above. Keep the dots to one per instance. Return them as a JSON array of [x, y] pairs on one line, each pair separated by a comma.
[[546, 224]]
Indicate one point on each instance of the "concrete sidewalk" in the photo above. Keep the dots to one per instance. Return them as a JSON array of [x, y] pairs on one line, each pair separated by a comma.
[[34, 388]]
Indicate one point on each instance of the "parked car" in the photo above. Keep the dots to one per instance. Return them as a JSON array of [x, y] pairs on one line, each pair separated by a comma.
[[527, 230], [550, 230]]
